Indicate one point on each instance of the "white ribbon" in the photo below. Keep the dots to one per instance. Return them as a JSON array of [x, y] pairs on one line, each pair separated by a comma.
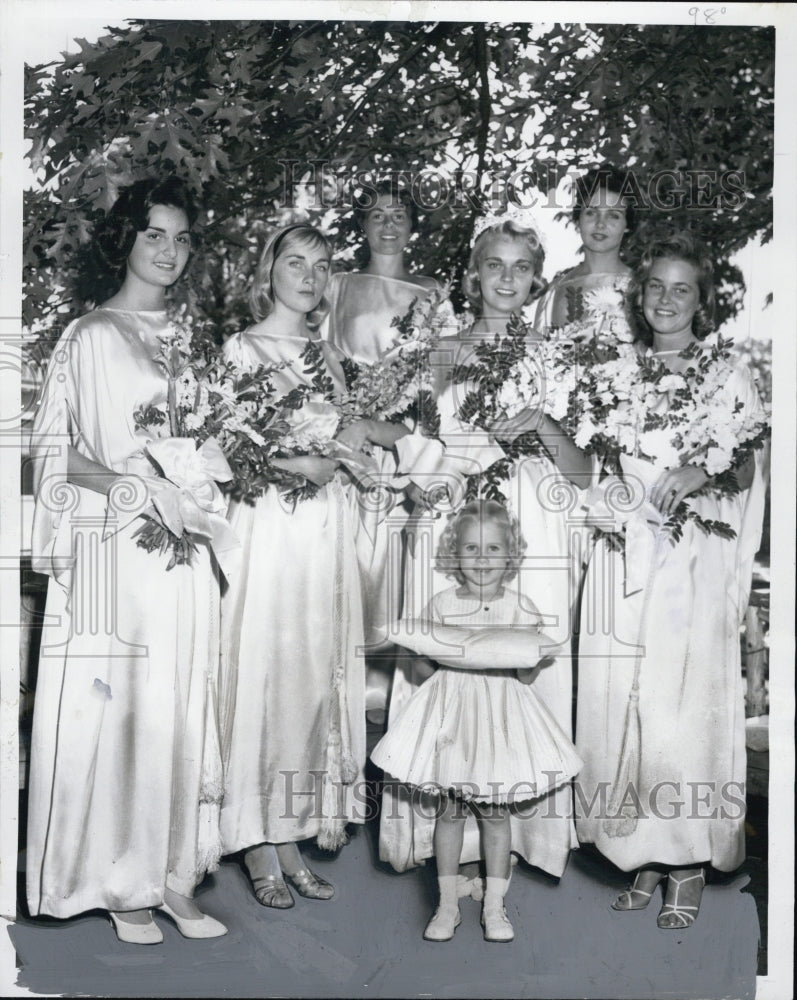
[[197, 506], [316, 420], [615, 504]]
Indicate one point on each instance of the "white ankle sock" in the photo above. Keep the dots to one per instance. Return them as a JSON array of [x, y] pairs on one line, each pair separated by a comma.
[[495, 890], [448, 891]]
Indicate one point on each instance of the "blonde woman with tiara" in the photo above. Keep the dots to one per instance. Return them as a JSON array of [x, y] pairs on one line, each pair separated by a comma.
[[503, 276]]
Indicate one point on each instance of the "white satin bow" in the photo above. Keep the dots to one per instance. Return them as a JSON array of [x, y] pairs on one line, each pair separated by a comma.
[[197, 505], [615, 504]]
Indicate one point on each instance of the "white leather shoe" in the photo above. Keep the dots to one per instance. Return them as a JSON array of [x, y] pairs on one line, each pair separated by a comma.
[[130, 933], [496, 924], [195, 927], [441, 927]]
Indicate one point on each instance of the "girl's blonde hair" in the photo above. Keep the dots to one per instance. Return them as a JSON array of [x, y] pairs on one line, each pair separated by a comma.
[[261, 294], [470, 279], [447, 560]]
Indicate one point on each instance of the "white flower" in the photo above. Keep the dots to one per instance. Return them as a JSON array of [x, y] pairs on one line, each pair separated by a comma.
[[672, 383], [621, 331], [718, 460], [193, 421], [657, 445], [585, 433], [603, 300]]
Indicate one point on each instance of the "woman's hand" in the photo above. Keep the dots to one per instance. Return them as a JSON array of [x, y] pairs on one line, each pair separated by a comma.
[[314, 468], [427, 499], [318, 470], [675, 485], [379, 432], [356, 434], [385, 433]]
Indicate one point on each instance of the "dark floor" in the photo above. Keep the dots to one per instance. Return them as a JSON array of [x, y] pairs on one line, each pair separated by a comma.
[[367, 941]]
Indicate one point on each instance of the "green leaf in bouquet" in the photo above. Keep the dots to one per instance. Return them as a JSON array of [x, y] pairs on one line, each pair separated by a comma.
[[147, 417], [152, 536], [315, 366]]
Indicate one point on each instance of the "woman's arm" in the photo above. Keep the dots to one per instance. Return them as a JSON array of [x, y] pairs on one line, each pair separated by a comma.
[[82, 471], [379, 432], [571, 461], [317, 469]]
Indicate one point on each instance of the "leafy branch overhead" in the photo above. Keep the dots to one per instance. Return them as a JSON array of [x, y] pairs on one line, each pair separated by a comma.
[[243, 109]]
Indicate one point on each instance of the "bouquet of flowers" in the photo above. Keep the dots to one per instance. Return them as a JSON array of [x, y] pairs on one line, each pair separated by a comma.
[[497, 382], [633, 405], [602, 317], [208, 416], [399, 385], [303, 421], [512, 373]]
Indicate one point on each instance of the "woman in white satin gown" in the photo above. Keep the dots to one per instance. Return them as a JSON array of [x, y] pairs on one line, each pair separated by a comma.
[[682, 617], [125, 769], [292, 669], [363, 306], [503, 275], [593, 292]]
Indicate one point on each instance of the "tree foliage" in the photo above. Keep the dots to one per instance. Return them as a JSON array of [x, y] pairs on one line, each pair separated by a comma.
[[244, 109]]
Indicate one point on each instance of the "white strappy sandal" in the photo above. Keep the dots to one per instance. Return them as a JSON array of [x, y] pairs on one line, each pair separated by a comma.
[[684, 914], [625, 901]]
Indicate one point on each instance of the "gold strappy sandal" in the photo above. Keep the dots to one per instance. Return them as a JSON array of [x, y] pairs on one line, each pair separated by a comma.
[[310, 885], [271, 890]]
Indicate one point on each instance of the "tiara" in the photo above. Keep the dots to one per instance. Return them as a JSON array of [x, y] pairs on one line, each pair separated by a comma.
[[523, 218]]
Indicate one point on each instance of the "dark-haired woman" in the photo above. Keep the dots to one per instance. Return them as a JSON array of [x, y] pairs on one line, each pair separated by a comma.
[[364, 303], [678, 807], [360, 322], [592, 293], [125, 770]]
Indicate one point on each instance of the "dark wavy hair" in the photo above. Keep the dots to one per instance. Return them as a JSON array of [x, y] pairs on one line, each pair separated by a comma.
[[605, 178], [446, 559], [366, 200], [261, 294], [115, 234], [471, 285], [676, 246]]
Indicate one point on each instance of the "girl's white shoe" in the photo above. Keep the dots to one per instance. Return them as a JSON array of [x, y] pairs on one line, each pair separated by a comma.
[[441, 927], [496, 923]]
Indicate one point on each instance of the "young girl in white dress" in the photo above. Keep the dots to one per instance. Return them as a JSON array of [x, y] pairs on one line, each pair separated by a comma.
[[292, 673], [479, 738], [503, 276]]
